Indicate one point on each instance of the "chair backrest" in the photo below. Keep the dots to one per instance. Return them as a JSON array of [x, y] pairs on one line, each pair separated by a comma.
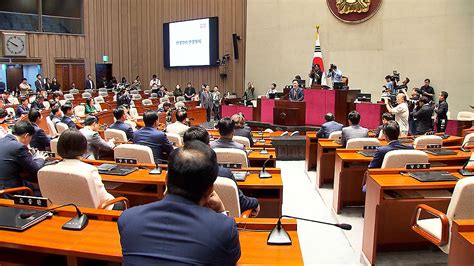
[[147, 102], [179, 105], [469, 138], [13, 100], [399, 158], [229, 155], [80, 110], [98, 107], [63, 185], [52, 130], [136, 97], [99, 99], [86, 95], [73, 91], [134, 92], [164, 99], [103, 90], [360, 143], [115, 133], [88, 90], [284, 134], [175, 138], [141, 153], [133, 112], [147, 92], [242, 140], [335, 135], [10, 111], [154, 95], [53, 144], [61, 127], [295, 133], [228, 193], [465, 116], [423, 141], [268, 130], [46, 105], [180, 99], [68, 97], [62, 102], [103, 93]]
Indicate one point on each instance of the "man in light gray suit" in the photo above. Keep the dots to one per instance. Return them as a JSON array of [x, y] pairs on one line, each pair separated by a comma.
[[329, 126], [354, 130], [226, 127], [206, 102], [95, 144]]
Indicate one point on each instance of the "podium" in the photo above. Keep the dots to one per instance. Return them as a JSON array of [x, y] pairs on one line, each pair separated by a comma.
[[288, 113]]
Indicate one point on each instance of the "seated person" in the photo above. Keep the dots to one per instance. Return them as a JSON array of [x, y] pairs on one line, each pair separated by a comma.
[[71, 146], [39, 141], [329, 126], [22, 108], [246, 203], [239, 121], [226, 129], [55, 100], [391, 132], [385, 118], [95, 143], [165, 107], [90, 108], [152, 137], [67, 114], [3, 122], [188, 226], [354, 130], [19, 166], [38, 103], [178, 127], [121, 117], [56, 114]]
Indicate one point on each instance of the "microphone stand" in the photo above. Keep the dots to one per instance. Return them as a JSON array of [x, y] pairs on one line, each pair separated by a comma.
[[264, 173], [464, 145], [158, 170], [465, 172], [77, 223]]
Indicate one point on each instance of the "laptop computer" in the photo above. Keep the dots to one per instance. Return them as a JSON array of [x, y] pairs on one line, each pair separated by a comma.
[[434, 176], [10, 218], [114, 169], [440, 152], [240, 175], [367, 153]]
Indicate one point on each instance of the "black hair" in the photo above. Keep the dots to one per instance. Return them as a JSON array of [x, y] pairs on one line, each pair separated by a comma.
[[444, 94], [71, 144], [23, 127], [118, 113], [38, 75], [329, 117], [167, 104], [33, 115], [192, 170], [90, 120], [181, 115], [196, 133], [297, 77], [23, 79], [428, 80], [274, 84], [154, 76], [88, 101], [55, 109], [22, 99], [149, 118], [225, 126], [65, 108], [354, 117], [388, 77], [391, 130], [388, 116], [424, 99], [3, 113]]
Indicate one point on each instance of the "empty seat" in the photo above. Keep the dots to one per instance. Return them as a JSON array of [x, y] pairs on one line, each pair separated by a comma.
[[99, 99], [147, 102], [360, 143], [103, 93], [143, 154], [229, 155], [335, 135], [295, 133], [68, 97], [119, 135], [400, 158], [468, 140], [268, 130], [86, 95], [284, 134], [465, 116], [424, 141]]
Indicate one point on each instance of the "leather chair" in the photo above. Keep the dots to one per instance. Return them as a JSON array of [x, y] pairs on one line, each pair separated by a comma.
[[437, 230], [335, 135], [175, 138], [52, 129], [119, 135], [360, 143], [229, 155], [143, 154], [53, 145], [399, 158], [61, 127], [86, 95], [68, 97], [80, 110], [268, 130], [468, 140], [242, 140], [424, 141], [147, 102], [46, 104], [73, 91], [103, 93], [136, 97], [228, 192], [99, 99], [465, 116]]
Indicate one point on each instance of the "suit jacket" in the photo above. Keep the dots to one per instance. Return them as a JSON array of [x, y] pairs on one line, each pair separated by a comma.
[[68, 121], [244, 133], [40, 140], [36, 105], [327, 128], [39, 85], [442, 110], [352, 132], [95, 143], [206, 100], [89, 84], [226, 143], [21, 110], [177, 128], [119, 125], [155, 139], [422, 118], [17, 163], [299, 95], [176, 231], [382, 150], [246, 203]]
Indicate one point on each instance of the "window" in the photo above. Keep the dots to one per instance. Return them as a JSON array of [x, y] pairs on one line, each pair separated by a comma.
[[57, 16]]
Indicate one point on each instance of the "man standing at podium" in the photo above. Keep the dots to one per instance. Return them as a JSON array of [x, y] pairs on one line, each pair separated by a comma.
[[296, 93]]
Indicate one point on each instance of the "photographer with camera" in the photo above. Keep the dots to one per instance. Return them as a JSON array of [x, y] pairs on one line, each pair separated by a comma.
[[335, 74], [422, 116]]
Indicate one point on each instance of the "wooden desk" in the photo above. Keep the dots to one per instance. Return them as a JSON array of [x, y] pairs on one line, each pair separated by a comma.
[[350, 167], [461, 250], [311, 151], [387, 222], [100, 241], [289, 113]]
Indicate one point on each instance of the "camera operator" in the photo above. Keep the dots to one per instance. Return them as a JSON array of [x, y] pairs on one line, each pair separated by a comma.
[[335, 74], [404, 85], [422, 116], [389, 87], [315, 75]]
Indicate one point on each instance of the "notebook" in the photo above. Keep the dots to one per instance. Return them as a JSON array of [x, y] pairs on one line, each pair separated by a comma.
[[434, 176], [10, 218]]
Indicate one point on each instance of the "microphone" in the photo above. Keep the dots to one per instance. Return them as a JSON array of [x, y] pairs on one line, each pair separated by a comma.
[[77, 223], [158, 169], [465, 144], [279, 236], [463, 170], [264, 173]]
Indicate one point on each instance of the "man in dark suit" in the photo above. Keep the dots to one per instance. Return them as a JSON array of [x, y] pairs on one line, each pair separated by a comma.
[[189, 92], [329, 126], [39, 84], [189, 225], [38, 103], [22, 108], [19, 166], [206, 102], [422, 116], [226, 129], [246, 203], [121, 117], [67, 113], [354, 130], [441, 111], [240, 129], [89, 83], [296, 93], [150, 136], [391, 132], [39, 141]]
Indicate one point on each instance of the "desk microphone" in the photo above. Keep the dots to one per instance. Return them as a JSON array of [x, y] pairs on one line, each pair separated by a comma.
[[77, 223], [158, 169], [279, 236], [464, 145], [264, 173], [465, 172]]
